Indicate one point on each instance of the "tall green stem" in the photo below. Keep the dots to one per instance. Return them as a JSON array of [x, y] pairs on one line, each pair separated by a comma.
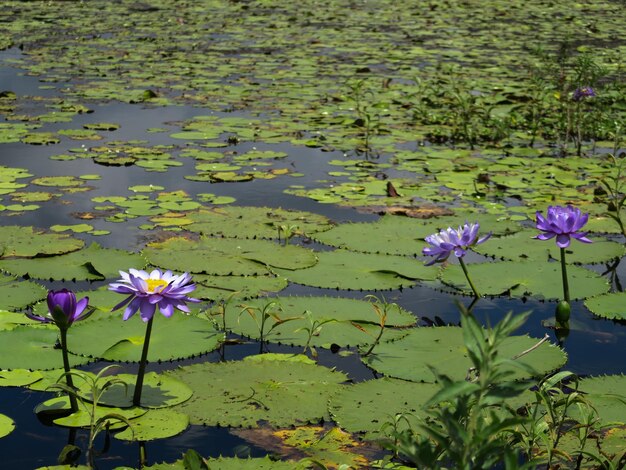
[[467, 276], [66, 367], [564, 275], [142, 364]]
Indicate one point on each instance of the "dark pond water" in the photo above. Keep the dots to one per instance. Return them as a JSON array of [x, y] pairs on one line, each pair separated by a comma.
[[594, 346]]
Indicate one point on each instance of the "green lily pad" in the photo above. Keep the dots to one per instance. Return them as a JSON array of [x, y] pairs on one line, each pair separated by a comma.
[[19, 377], [33, 348], [82, 418], [520, 279], [222, 256], [339, 321], [364, 407], [16, 295], [155, 424], [280, 389], [255, 222], [606, 394], [341, 269], [235, 463], [239, 287], [442, 348], [173, 338], [91, 263], [28, 242], [611, 305], [7, 425]]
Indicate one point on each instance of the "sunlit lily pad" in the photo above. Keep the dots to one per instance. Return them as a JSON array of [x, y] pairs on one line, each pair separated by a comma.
[[239, 287], [243, 393], [335, 321], [224, 256], [172, 338], [7, 425], [235, 463], [33, 348], [606, 394], [155, 424], [364, 407], [255, 222], [91, 263], [519, 279], [15, 295], [611, 305], [27, 242], [341, 269], [19, 377], [442, 348]]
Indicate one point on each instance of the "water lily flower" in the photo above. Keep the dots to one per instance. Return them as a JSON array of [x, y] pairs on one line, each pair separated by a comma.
[[449, 241], [564, 223], [582, 93], [146, 291], [63, 309]]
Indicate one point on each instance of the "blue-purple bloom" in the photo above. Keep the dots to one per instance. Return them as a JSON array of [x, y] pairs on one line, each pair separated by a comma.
[[146, 291], [583, 93], [447, 241], [564, 223], [63, 309]]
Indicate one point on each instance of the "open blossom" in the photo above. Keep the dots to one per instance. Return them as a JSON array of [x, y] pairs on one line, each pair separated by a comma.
[[564, 223], [63, 309], [146, 291], [583, 93], [447, 241]]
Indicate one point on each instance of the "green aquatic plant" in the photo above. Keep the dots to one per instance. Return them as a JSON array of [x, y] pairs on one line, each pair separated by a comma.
[[382, 309], [313, 329], [96, 385], [270, 311]]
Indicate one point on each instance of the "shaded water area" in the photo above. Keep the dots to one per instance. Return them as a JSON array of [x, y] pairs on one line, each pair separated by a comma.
[[307, 171]]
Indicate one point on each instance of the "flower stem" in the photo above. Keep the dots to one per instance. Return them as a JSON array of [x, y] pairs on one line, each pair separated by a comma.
[[467, 276], [142, 364], [564, 275], [66, 367]]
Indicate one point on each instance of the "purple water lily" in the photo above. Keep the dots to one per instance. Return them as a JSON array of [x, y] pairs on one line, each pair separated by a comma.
[[447, 241], [63, 309], [564, 223], [146, 291], [583, 93]]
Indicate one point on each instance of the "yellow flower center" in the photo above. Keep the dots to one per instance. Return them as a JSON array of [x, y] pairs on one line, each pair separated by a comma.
[[155, 285]]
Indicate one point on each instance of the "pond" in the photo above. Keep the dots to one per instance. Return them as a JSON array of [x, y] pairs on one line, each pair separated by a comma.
[[295, 172]]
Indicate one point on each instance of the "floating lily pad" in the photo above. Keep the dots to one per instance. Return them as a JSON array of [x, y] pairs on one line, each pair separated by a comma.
[[611, 305], [173, 338], [16, 295], [19, 377], [442, 348], [364, 407], [255, 222], [235, 463], [28, 242], [155, 424], [7, 425], [343, 322], [282, 390], [239, 287], [538, 279], [81, 418], [341, 269], [222, 256], [522, 246], [33, 348], [91, 263], [606, 394]]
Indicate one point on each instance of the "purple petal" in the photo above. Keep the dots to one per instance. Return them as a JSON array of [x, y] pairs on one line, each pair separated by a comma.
[[146, 310], [132, 308]]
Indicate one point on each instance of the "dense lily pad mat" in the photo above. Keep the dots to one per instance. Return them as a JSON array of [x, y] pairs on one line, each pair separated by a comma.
[[177, 337], [281, 389], [235, 463], [442, 348], [328, 320]]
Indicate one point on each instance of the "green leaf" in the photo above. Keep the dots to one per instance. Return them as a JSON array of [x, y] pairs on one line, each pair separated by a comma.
[[155, 424], [244, 393]]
